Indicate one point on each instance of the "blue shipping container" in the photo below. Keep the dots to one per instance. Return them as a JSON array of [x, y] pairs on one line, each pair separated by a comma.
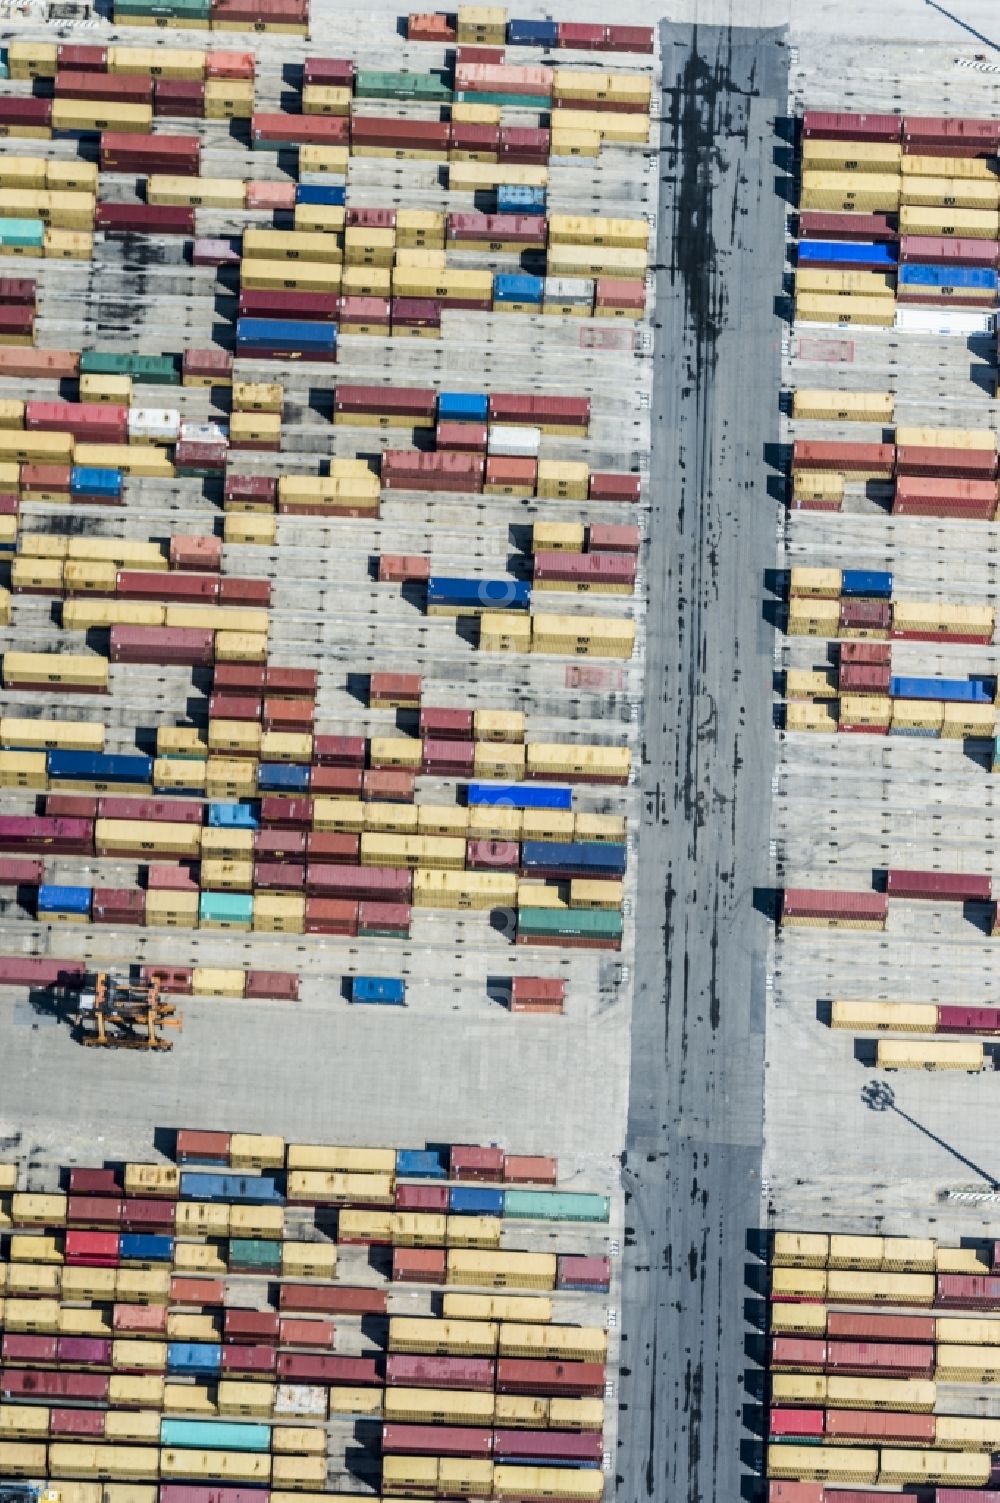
[[242, 1189], [597, 857], [315, 193], [475, 1200], [872, 584], [847, 253], [517, 289], [84, 480], [479, 594], [146, 1247], [955, 690], [514, 199], [286, 334], [533, 33], [194, 1357], [234, 816], [387, 990], [55, 899], [520, 796], [462, 407], [419, 1163], [99, 767], [975, 278], [215, 1435], [283, 777]]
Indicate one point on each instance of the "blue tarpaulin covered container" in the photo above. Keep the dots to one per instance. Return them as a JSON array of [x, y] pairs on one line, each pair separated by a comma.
[[390, 991], [520, 796], [223, 816], [515, 199], [462, 407], [198, 1357], [509, 288], [53, 898], [85, 480], [847, 253], [973, 278], [869, 584], [420, 1163]]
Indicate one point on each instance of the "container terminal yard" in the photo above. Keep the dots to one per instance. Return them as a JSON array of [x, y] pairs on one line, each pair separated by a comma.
[[497, 856]]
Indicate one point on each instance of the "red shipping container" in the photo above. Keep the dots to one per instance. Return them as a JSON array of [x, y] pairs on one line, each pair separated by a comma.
[[124, 88], [193, 1147], [807, 902], [872, 653], [515, 473], [554, 1446], [309, 130], [439, 1440], [446, 725], [524, 1169], [929, 496], [91, 422], [94, 1249], [252, 592], [175, 1492], [195, 456], [278, 986], [364, 310], [498, 229], [859, 1358], [864, 678], [331, 1299], [863, 1425], [296, 1367], [320, 307], [471, 1161], [819, 224], [388, 785], [538, 989], [28, 111], [468, 438], [383, 918], [10, 506], [948, 250], [395, 131], [581, 35], [943, 887], [404, 401], [799, 1354], [259, 12], [230, 65], [492, 855], [17, 320], [140, 1320], [195, 551], [613, 538], [279, 845], [179, 96], [400, 568], [410, 1371], [493, 56], [851, 458], [240, 678], [213, 363], [811, 1492], [332, 845], [449, 759], [94, 1210], [585, 568], [962, 463], [280, 196], [561, 1379], [783, 1424], [179, 646], [144, 219], [18, 1383], [94, 1182], [308, 1333], [541, 412], [411, 469], [289, 714], [422, 1198], [22, 873], [122, 151], [166, 878], [41, 478], [195, 1292], [292, 682], [962, 137], [628, 38], [286, 813], [198, 589], [421, 1265], [334, 72], [183, 811], [968, 1020], [248, 1361], [827, 125], [234, 707], [575, 1272], [381, 882], [87, 1423], [119, 905], [372, 219], [83, 59], [393, 686], [340, 751]]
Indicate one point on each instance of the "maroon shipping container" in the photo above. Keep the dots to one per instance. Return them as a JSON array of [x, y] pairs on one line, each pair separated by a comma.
[[524, 143], [449, 759], [464, 55], [446, 725], [24, 1348], [471, 1161], [910, 1429], [175, 979], [23, 872], [874, 459], [85, 1351], [383, 918], [84, 59], [372, 219], [953, 887], [416, 312], [603, 537], [195, 456], [38, 478], [279, 876], [299, 683], [796, 1353], [286, 813], [163, 877], [94, 1210], [561, 1379], [253, 592], [177, 1492], [332, 845], [248, 1361], [947, 250], [94, 1182], [419, 1265], [853, 1325], [303, 1367], [279, 845], [578, 1448], [468, 438], [18, 1383], [25, 112], [179, 96], [377, 882], [278, 986], [576, 1272], [865, 615], [413, 470], [585, 568], [234, 707], [520, 229], [809, 902], [17, 320], [878, 654], [395, 131], [411, 1371], [118, 905], [492, 855], [864, 678], [961, 463], [193, 1147], [584, 36], [183, 811], [422, 1198], [126, 88], [860, 1358], [968, 1019], [334, 72], [827, 125], [122, 151], [91, 422], [144, 219], [340, 751], [20, 291], [248, 488], [148, 1215], [438, 1440], [321, 307], [404, 401], [87, 1423], [485, 138], [963, 137], [819, 224], [240, 678], [32, 832], [332, 1299], [309, 1333], [515, 407], [977, 1291], [163, 645], [197, 1291], [198, 589], [628, 38], [309, 130], [529, 1169]]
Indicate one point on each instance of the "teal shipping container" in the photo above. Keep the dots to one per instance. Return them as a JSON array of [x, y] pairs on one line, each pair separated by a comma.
[[372, 85], [215, 1435], [515, 101], [4, 70], [254, 1255], [225, 908], [22, 232], [555, 1205]]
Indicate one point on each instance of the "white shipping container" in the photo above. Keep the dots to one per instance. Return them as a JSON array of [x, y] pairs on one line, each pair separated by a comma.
[[944, 321], [320, 179], [513, 442], [300, 1398], [569, 290], [204, 433], [161, 424]]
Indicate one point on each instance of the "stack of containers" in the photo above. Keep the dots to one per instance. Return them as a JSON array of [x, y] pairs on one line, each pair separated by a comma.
[[46, 209], [255, 422]]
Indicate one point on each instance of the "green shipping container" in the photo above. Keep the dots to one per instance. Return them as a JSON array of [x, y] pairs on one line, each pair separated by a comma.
[[155, 370], [198, 10], [22, 232], [514, 101], [4, 70], [254, 1255], [370, 85], [573, 923], [215, 1435], [226, 908], [555, 1205]]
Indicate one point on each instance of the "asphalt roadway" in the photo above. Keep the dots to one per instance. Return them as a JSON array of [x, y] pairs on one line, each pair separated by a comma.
[[692, 1170]]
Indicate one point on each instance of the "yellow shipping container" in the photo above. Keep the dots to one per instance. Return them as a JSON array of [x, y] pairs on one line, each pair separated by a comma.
[[861, 191], [609, 125], [122, 836], [32, 1209], [574, 1414], [930, 1055], [191, 1399], [321, 99], [595, 261], [299, 1440], [832, 308], [198, 1218], [963, 1433], [441, 1337], [286, 245], [240, 647], [575, 143], [501, 1270], [473, 177], [957, 1469], [20, 1458], [951, 192], [54, 668], [298, 276], [797, 1320], [554, 1343], [481, 1307], [336, 1156], [131, 459], [314, 1260], [862, 1287], [279, 913], [432, 1406], [589, 636], [970, 224], [228, 1466], [884, 1017], [846, 283], [562, 480], [103, 114], [504, 631], [434, 851], [81, 577], [338, 1187], [35, 448], [23, 1422], [473, 1231], [32, 59], [811, 684], [599, 763], [197, 192], [498, 725], [23, 770], [844, 406], [983, 439], [251, 1399], [33, 1279], [143, 1286], [332, 159], [469, 890], [84, 615], [823, 1463], [585, 229], [840, 157]]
